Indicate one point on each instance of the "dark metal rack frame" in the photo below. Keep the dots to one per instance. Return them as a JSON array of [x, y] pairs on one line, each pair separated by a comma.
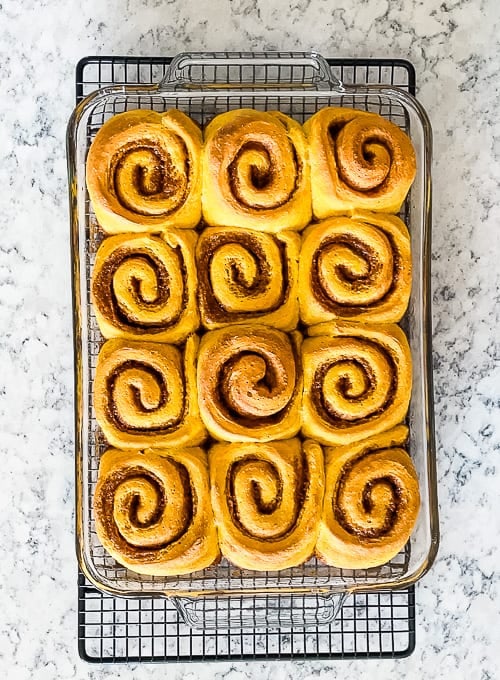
[[113, 630]]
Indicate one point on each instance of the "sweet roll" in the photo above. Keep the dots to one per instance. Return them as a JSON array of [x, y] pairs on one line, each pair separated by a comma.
[[371, 501], [355, 268], [256, 172], [246, 275], [145, 394], [357, 381], [267, 501], [358, 160], [250, 383], [144, 172], [144, 286], [153, 513]]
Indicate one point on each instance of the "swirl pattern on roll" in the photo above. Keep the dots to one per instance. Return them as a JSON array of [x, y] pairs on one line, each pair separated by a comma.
[[153, 512], [371, 501], [359, 160], [144, 286], [144, 172], [255, 172], [358, 269], [246, 275], [267, 501], [250, 383], [145, 394], [357, 381]]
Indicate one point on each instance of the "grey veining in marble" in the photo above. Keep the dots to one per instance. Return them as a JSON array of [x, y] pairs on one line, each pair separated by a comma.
[[455, 46]]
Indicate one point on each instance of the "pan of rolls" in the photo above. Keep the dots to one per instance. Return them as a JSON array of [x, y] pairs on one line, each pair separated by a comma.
[[252, 389]]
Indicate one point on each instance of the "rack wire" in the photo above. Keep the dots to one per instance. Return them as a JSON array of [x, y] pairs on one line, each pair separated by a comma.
[[111, 629], [377, 624]]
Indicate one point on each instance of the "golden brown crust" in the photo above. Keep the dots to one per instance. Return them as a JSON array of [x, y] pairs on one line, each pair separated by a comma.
[[256, 172], [371, 502], [355, 268], [250, 383], [359, 161], [248, 276], [267, 501], [357, 381], [145, 394], [153, 513], [144, 172], [144, 286]]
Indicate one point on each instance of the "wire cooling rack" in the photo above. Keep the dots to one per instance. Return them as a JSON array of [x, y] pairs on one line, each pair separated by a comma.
[[376, 624], [112, 629]]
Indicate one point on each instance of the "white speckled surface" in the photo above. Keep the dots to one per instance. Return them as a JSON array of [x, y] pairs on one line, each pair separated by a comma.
[[456, 50]]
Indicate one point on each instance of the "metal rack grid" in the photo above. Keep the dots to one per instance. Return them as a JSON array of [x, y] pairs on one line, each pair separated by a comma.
[[110, 629], [114, 629]]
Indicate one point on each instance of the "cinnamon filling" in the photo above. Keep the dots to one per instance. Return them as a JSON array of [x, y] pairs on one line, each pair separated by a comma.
[[296, 496], [157, 181], [325, 410], [264, 278], [118, 419], [105, 505], [357, 283], [261, 179], [109, 304], [343, 487]]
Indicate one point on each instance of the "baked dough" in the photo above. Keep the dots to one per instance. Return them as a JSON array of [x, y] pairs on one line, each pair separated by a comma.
[[144, 286], [357, 381], [358, 269], [267, 501], [144, 172], [248, 276], [145, 394], [371, 501], [250, 383], [152, 510], [256, 172], [359, 161]]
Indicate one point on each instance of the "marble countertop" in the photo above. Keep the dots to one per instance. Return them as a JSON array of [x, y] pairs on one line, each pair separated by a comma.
[[455, 47]]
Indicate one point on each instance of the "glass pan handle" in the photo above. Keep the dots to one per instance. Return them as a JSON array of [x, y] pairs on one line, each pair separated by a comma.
[[237, 612], [249, 70]]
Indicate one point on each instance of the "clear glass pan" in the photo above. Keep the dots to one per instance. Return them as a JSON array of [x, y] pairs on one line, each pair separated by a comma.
[[203, 85]]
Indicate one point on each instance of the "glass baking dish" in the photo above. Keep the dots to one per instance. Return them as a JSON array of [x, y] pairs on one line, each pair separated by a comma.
[[203, 85]]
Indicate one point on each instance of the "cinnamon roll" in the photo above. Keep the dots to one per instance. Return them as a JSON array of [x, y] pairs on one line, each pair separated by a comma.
[[145, 394], [246, 276], [256, 172], [358, 160], [371, 502], [357, 381], [250, 383], [144, 286], [144, 172], [267, 501], [153, 513], [358, 269]]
